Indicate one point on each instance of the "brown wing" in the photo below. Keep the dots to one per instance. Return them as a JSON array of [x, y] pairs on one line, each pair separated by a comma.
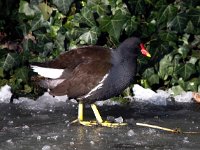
[[73, 58], [84, 78]]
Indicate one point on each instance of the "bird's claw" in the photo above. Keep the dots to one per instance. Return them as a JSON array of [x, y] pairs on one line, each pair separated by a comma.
[[112, 125], [95, 123]]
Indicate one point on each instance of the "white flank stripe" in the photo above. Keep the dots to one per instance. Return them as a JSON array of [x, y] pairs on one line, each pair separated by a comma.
[[48, 72], [97, 87]]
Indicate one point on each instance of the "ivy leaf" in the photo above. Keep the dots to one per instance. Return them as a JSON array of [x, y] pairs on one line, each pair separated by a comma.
[[194, 15], [192, 85], [63, 5], [148, 72], [191, 3], [85, 17], [154, 79], [179, 22], [118, 5], [166, 67], [38, 22], [193, 60], [131, 25], [98, 6], [168, 13], [9, 62], [59, 42], [177, 90], [24, 8], [46, 10], [168, 36], [113, 25], [101, 9], [137, 6], [41, 36], [91, 36], [183, 50], [151, 77], [22, 73], [75, 33], [185, 70], [190, 28], [27, 88]]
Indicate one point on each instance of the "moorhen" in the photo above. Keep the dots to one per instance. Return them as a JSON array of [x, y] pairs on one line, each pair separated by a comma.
[[92, 73]]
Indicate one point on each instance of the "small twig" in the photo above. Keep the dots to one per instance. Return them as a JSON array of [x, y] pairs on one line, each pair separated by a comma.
[[165, 129]]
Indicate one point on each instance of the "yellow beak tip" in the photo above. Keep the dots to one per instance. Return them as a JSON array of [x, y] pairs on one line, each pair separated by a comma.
[[148, 55]]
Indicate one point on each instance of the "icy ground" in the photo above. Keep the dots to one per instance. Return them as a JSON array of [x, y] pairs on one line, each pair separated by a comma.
[[44, 123]]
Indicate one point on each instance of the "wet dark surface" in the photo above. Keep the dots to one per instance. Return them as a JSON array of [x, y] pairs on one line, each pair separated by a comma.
[[49, 129]]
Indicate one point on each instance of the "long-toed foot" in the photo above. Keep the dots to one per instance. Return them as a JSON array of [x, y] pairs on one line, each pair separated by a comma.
[[98, 118], [95, 123]]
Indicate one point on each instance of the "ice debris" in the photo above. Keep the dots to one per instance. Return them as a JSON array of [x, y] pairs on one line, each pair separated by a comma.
[[131, 133], [160, 97], [108, 102], [46, 101], [148, 96], [184, 97], [119, 120], [46, 147], [5, 94], [92, 142]]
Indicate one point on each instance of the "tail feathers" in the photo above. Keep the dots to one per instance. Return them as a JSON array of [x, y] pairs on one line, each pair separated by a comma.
[[51, 73]]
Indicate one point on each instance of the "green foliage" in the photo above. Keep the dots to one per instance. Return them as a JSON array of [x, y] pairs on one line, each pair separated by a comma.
[[40, 30]]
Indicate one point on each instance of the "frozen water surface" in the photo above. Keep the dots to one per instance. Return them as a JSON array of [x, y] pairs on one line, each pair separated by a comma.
[[44, 124]]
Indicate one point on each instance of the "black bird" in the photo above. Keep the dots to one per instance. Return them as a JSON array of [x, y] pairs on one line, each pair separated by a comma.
[[92, 73]]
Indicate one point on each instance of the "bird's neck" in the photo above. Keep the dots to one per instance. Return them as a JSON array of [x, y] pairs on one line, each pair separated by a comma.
[[124, 57]]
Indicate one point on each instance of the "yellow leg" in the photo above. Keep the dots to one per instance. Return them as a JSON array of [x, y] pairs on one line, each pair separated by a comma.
[[96, 113], [80, 116], [98, 118], [100, 121], [80, 111]]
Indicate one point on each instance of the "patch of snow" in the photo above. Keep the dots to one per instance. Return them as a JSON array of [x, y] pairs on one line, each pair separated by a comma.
[[46, 101], [108, 102], [25, 127], [55, 137], [10, 122], [73, 101], [39, 138], [61, 98], [92, 142], [5, 94], [9, 141], [67, 121], [160, 97], [186, 140], [46, 96], [119, 120], [131, 133], [148, 96], [185, 97], [46, 147], [148, 131]]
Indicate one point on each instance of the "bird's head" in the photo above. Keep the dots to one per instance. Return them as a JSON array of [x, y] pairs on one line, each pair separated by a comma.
[[133, 46]]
